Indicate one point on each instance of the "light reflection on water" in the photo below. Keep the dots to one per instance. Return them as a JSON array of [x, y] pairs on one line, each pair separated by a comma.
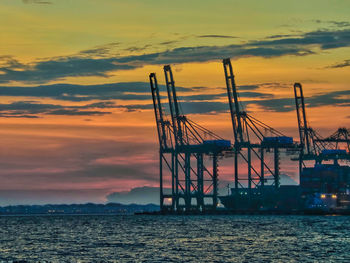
[[175, 238]]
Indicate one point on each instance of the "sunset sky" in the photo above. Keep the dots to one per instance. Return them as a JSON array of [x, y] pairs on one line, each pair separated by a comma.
[[77, 121]]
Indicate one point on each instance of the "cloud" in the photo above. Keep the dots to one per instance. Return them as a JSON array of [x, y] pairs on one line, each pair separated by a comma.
[[36, 2], [169, 42], [74, 92], [324, 39], [115, 91], [334, 98], [279, 36], [244, 94], [345, 63], [215, 36], [266, 101], [101, 50], [62, 162], [209, 103], [106, 93], [87, 64], [139, 195], [32, 109], [339, 24]]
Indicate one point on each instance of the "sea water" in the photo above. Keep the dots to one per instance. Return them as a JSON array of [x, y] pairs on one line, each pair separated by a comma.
[[175, 238]]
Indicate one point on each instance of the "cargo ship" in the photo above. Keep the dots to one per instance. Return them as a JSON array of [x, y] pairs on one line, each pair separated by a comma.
[[323, 188]]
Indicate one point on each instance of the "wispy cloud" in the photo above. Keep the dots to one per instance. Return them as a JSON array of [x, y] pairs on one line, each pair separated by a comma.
[[37, 2], [192, 100], [33, 109], [86, 64], [266, 102], [216, 36], [345, 63], [74, 92], [339, 24]]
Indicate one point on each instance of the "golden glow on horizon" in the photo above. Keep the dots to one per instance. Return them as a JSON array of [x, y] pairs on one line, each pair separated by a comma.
[[38, 32]]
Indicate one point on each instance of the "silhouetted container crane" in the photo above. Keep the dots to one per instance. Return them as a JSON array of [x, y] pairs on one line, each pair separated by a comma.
[[166, 147], [314, 146], [339, 138], [253, 139], [189, 153], [321, 178], [189, 144]]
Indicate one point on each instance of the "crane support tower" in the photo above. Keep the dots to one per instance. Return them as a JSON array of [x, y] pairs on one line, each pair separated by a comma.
[[253, 141], [194, 153], [166, 147], [317, 175]]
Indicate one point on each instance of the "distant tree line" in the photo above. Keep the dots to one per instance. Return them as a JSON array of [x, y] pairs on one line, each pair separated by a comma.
[[89, 208]]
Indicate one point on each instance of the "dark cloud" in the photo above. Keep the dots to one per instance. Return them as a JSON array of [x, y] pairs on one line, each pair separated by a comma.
[[336, 98], [324, 39], [246, 94], [190, 103], [73, 92], [62, 67], [17, 115], [32, 109], [137, 49], [193, 103], [100, 51], [345, 63], [85, 64], [139, 195], [279, 36], [216, 36], [169, 42]]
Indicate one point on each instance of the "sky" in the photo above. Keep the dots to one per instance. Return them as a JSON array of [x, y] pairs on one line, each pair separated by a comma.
[[76, 116]]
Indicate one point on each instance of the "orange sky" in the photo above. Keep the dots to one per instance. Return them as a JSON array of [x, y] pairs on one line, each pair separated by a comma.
[[77, 137]]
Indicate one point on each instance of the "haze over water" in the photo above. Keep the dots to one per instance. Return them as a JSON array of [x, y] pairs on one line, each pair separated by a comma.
[[175, 238]]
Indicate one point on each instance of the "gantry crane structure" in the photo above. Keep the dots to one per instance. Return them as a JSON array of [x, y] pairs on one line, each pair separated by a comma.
[[165, 138], [313, 146], [338, 138], [184, 147], [316, 174], [251, 140]]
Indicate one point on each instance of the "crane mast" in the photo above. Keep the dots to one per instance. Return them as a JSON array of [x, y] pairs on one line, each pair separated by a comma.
[[302, 123], [233, 102], [158, 111], [252, 142], [190, 174], [166, 149], [173, 105]]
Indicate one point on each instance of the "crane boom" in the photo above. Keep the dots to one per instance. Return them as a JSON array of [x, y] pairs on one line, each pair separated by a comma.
[[173, 105], [158, 111], [301, 115], [233, 102]]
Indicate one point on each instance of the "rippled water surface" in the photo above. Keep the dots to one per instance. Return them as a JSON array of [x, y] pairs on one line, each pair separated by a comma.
[[175, 239]]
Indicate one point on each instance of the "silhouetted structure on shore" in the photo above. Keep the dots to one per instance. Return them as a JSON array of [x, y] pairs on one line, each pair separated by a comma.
[[183, 145]]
